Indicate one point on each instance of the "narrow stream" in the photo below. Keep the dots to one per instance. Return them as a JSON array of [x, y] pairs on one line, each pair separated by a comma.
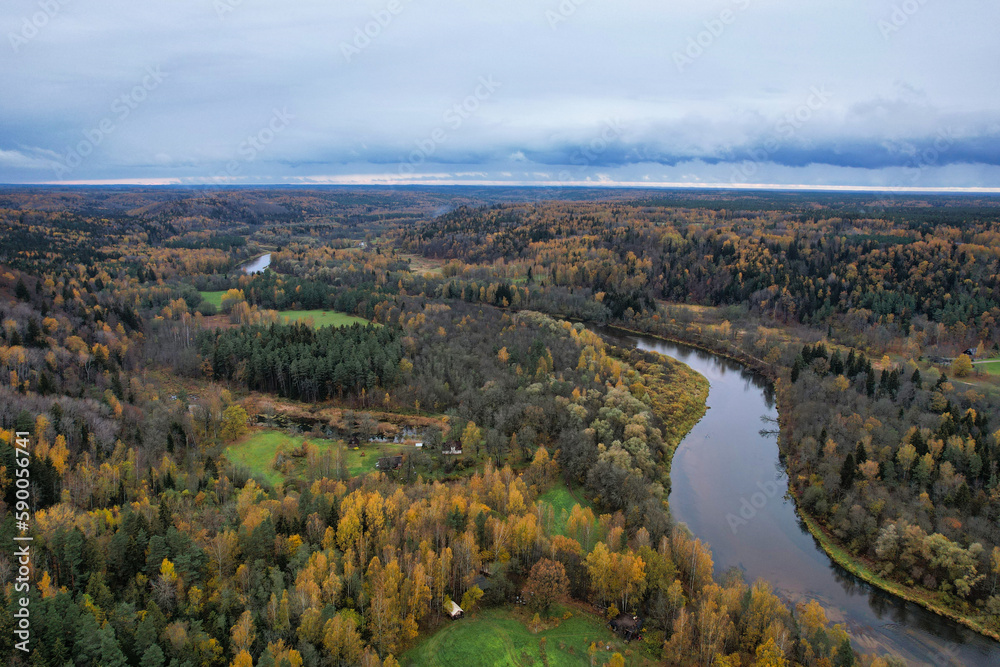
[[728, 485]]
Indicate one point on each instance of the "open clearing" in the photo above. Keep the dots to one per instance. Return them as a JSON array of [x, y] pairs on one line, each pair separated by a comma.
[[320, 318], [424, 266], [562, 501], [497, 637], [989, 367], [256, 452], [214, 298]]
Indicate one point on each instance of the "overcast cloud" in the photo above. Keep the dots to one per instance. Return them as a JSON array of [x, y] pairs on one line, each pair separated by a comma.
[[795, 92]]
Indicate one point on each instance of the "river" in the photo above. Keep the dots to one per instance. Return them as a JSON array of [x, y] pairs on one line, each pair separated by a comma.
[[729, 486], [257, 265]]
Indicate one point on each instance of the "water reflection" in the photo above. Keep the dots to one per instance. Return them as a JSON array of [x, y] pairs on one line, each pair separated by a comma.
[[257, 265], [716, 489]]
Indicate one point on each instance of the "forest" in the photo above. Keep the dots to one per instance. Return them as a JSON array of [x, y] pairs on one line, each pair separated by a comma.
[[898, 458], [298, 362], [140, 358]]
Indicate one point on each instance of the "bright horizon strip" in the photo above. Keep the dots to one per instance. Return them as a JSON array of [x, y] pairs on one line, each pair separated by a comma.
[[389, 180]]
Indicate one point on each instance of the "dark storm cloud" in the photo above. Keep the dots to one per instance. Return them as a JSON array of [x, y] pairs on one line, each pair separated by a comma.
[[827, 91]]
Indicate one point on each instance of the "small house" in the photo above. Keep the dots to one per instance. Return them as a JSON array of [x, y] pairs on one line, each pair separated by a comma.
[[418, 445], [453, 448], [389, 463], [971, 353], [453, 610], [627, 625]]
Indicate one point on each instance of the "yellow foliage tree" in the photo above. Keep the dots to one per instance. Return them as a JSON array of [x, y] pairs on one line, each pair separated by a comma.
[[58, 454], [242, 659], [769, 655], [962, 366], [167, 571], [234, 423], [471, 436], [617, 660], [243, 632], [231, 298]]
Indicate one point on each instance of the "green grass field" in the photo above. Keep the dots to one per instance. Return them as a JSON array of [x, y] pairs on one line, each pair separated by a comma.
[[562, 502], [214, 298], [497, 637], [989, 367], [257, 451], [323, 318]]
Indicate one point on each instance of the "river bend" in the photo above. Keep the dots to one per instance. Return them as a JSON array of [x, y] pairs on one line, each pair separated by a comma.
[[729, 486]]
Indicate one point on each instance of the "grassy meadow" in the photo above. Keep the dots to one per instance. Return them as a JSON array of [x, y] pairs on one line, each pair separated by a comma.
[[320, 318], [257, 451], [499, 637], [562, 501]]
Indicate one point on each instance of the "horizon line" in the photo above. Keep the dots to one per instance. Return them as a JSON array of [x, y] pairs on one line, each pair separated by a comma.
[[356, 181]]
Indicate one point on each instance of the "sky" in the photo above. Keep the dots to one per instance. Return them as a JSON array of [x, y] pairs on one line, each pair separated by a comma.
[[881, 94]]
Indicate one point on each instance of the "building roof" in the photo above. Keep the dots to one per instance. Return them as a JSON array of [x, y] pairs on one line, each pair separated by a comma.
[[389, 462]]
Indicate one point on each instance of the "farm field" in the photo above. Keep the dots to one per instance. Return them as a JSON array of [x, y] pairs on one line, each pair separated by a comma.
[[498, 637]]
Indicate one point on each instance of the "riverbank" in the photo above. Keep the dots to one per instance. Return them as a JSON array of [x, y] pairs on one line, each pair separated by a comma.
[[830, 546], [755, 364], [859, 569], [678, 396], [256, 264]]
